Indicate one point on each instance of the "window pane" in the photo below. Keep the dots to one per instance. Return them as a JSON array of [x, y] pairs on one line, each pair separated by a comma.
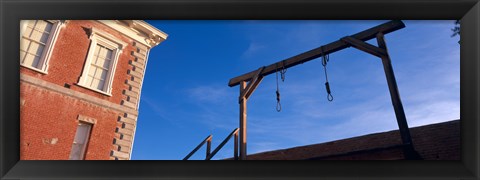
[[36, 36], [89, 80], [40, 25], [33, 42], [91, 71], [103, 52], [35, 62], [95, 84], [80, 141], [32, 23], [33, 48], [22, 56], [106, 65], [103, 74], [95, 55], [76, 153], [109, 53], [44, 38], [24, 43], [82, 133], [28, 31], [98, 73], [39, 50], [48, 28], [33, 54], [29, 58], [100, 62], [100, 84], [100, 67]]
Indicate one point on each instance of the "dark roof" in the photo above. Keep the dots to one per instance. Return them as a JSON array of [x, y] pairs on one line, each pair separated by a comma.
[[439, 141]]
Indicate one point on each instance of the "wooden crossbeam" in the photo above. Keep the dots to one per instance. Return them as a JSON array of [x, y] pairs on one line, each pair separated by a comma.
[[366, 47], [252, 85], [318, 52]]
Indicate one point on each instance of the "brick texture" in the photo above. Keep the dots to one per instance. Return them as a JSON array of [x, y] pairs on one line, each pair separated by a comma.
[[69, 54], [47, 115], [49, 118]]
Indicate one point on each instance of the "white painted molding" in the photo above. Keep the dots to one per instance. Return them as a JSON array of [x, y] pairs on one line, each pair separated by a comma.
[[138, 30], [98, 37]]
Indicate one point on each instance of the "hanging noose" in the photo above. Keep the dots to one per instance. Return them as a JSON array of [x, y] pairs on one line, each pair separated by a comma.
[[283, 71], [325, 59], [282, 75], [279, 105]]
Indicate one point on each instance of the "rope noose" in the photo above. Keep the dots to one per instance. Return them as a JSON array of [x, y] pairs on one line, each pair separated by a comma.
[[282, 75], [279, 105], [325, 59]]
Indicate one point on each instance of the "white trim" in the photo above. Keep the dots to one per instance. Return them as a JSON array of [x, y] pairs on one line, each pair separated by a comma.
[[96, 31], [139, 31], [149, 28], [98, 37], [49, 46], [86, 119], [138, 103], [23, 26], [143, 78]]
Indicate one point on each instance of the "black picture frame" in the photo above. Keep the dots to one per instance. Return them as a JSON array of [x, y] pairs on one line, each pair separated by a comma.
[[12, 11]]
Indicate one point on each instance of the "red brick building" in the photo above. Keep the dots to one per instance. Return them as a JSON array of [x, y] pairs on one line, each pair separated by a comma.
[[80, 84]]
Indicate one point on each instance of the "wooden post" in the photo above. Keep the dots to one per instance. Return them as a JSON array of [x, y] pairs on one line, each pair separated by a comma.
[[396, 101], [243, 122], [235, 149], [209, 146]]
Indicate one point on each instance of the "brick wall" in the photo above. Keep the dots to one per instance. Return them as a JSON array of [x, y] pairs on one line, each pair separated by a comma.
[[50, 111], [433, 142], [69, 54], [48, 125]]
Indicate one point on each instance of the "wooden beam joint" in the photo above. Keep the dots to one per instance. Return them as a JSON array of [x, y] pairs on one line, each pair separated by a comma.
[[252, 85], [364, 46]]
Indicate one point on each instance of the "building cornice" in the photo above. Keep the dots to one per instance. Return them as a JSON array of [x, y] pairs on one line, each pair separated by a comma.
[[138, 30]]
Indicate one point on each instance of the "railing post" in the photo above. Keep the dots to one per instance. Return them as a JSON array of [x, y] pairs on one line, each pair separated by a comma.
[[235, 148], [215, 151], [209, 145], [209, 138]]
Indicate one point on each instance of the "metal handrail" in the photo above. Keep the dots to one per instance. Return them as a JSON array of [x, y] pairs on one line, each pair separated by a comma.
[[235, 154], [209, 142], [208, 139]]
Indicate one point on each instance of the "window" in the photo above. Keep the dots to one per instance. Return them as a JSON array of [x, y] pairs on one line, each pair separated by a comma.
[[101, 61], [36, 43], [80, 141]]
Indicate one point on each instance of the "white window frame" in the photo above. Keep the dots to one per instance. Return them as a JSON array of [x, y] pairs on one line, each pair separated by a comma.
[[49, 46], [98, 37]]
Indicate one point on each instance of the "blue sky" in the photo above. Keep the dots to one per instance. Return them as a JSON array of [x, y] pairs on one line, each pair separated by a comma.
[[185, 96]]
